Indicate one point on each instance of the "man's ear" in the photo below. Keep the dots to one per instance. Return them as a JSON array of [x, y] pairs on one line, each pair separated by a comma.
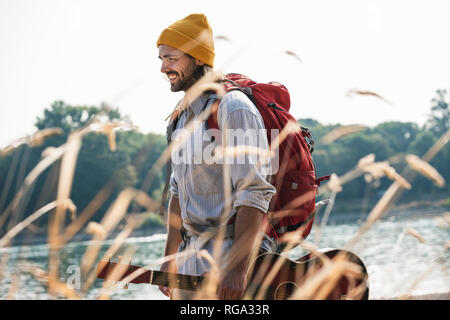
[[199, 63]]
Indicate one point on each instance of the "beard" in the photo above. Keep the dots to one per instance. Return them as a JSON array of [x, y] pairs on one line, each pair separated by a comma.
[[188, 78]]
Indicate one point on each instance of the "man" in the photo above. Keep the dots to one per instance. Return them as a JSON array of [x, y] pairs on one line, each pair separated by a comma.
[[198, 205]]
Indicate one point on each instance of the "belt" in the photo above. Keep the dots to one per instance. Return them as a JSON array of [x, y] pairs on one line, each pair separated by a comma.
[[207, 233]]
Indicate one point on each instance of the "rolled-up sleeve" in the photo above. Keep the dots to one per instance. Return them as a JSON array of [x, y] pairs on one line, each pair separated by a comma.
[[248, 175]]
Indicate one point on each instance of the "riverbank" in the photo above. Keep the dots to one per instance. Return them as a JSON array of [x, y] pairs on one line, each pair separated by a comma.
[[344, 211], [396, 263], [347, 211]]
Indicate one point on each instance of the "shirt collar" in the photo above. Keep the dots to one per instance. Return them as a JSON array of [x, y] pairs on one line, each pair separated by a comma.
[[199, 103]]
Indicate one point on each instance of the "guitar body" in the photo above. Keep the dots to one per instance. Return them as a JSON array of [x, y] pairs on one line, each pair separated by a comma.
[[275, 277], [270, 277]]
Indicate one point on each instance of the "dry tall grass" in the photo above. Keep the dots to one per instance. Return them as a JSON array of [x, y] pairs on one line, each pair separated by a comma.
[[318, 283]]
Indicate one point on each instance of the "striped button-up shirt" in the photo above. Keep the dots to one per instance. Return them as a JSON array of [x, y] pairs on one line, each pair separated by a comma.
[[200, 181]]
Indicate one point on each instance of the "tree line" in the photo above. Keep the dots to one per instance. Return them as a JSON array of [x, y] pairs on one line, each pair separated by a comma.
[[98, 167], [388, 141]]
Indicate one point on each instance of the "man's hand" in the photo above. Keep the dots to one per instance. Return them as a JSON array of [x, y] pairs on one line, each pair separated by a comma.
[[232, 285], [168, 266]]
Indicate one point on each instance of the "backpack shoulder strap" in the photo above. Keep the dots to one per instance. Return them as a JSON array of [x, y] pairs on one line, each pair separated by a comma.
[[169, 130], [212, 122], [230, 85]]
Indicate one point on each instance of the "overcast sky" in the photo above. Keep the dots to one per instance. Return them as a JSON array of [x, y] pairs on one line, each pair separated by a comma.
[[87, 52]]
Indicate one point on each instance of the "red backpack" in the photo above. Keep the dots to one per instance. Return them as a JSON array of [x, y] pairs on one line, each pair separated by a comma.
[[293, 205]]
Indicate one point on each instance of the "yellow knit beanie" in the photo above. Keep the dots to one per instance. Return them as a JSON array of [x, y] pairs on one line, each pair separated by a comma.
[[192, 35]]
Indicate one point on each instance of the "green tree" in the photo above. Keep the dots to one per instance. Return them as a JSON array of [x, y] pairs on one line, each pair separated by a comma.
[[96, 163], [398, 135], [69, 117], [439, 119]]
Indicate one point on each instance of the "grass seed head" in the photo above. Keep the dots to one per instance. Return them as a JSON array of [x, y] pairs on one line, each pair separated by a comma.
[[425, 169], [95, 228], [415, 234], [334, 184], [38, 138], [341, 132]]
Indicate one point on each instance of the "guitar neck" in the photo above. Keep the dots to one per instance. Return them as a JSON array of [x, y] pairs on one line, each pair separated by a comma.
[[174, 280], [133, 274]]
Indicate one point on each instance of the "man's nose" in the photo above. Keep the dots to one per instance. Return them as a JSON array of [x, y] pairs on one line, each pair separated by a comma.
[[164, 67]]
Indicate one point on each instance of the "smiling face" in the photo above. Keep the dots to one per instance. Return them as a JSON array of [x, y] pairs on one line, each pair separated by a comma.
[[181, 69]]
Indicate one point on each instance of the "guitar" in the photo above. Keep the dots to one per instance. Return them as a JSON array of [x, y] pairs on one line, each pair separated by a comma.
[[263, 283]]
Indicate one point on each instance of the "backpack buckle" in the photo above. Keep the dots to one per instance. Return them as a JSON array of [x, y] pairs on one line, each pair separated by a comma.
[[306, 133]]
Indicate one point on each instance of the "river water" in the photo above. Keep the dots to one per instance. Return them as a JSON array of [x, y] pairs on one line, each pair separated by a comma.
[[397, 262]]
